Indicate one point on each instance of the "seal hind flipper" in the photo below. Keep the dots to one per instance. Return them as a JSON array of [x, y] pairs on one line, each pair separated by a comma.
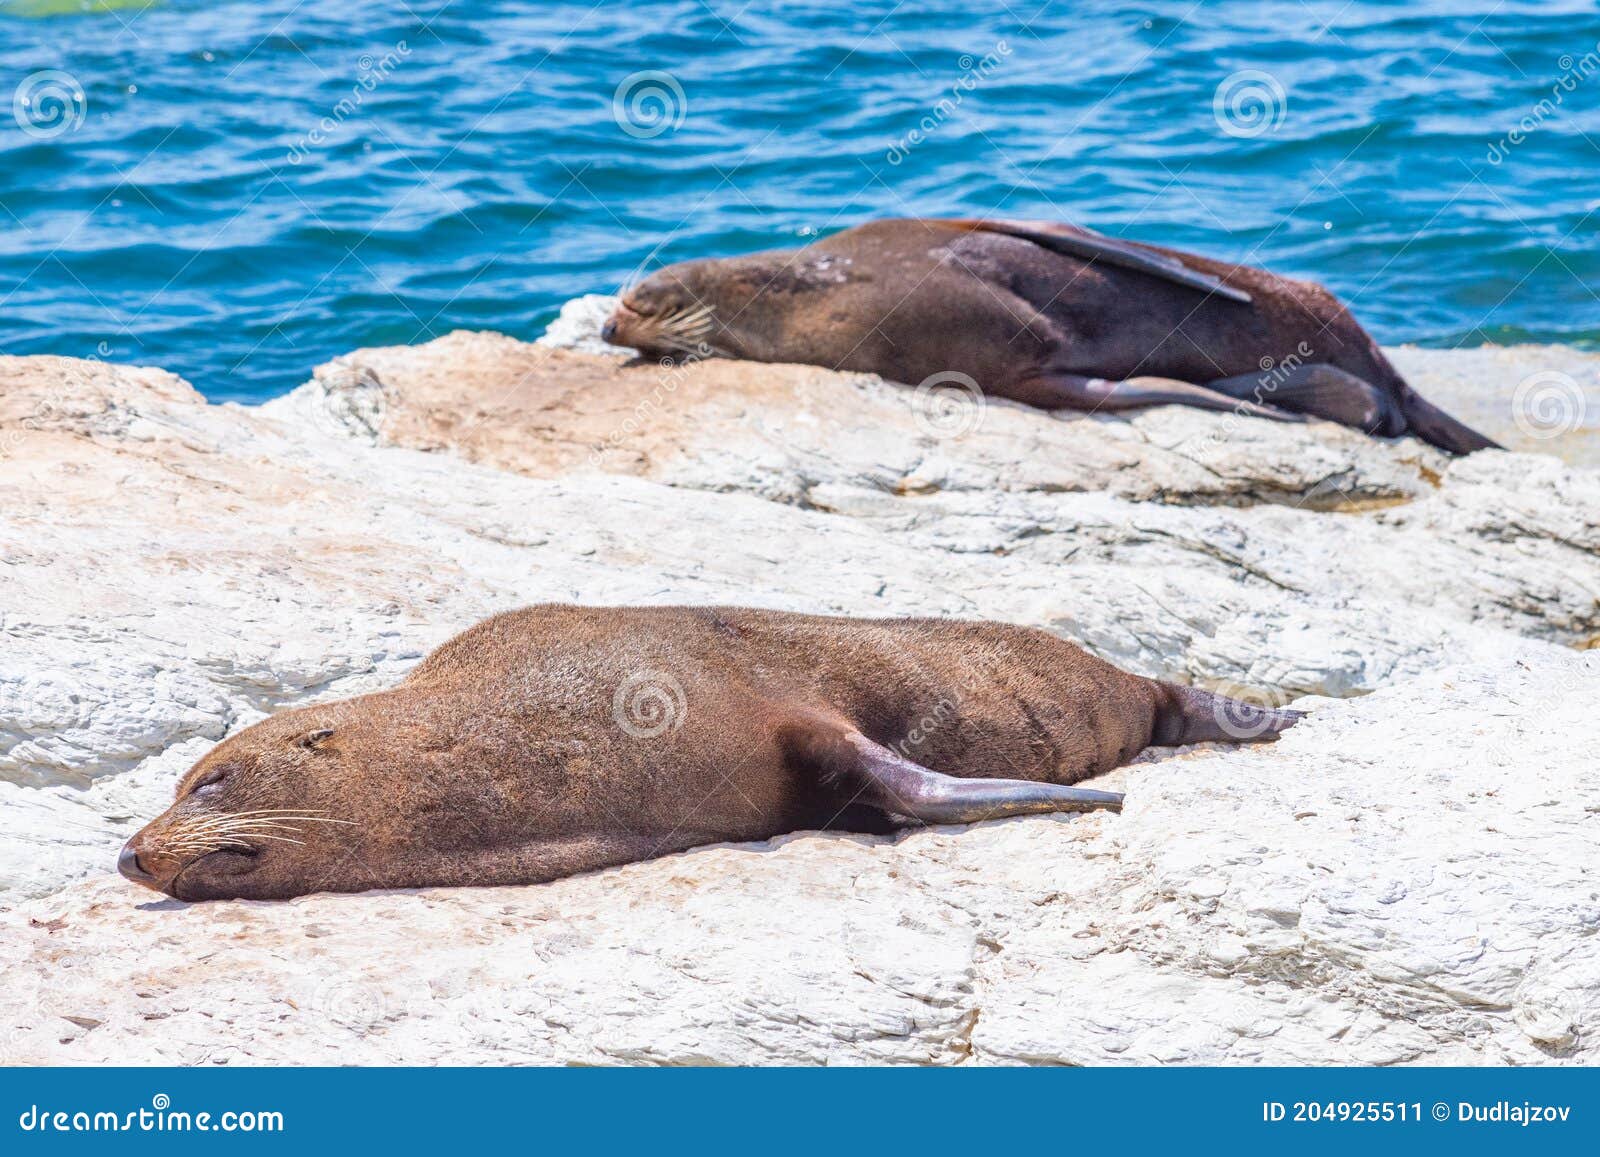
[[891, 783], [1323, 391], [1195, 715], [1075, 241], [1061, 391], [1438, 428], [1326, 391]]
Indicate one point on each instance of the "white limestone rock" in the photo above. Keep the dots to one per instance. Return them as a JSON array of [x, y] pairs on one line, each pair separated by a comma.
[[1374, 888], [1400, 879]]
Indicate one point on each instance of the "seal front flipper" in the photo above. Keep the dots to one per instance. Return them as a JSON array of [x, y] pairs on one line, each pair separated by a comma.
[[872, 774], [1061, 391], [1074, 241]]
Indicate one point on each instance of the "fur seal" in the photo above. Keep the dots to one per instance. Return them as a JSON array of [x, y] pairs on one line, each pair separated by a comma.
[[558, 739], [1047, 314]]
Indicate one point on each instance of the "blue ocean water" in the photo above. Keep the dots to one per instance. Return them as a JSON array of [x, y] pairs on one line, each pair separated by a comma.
[[237, 191]]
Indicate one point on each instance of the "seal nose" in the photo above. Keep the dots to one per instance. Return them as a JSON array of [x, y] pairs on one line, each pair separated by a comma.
[[128, 864], [609, 330]]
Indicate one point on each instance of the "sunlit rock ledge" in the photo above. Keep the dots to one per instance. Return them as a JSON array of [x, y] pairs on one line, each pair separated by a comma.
[[1403, 878]]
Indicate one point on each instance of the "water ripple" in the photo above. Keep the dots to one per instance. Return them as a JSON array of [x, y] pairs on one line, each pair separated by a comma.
[[238, 191]]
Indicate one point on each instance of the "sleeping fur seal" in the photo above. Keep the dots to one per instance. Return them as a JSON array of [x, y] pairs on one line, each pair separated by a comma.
[[558, 739], [1051, 315]]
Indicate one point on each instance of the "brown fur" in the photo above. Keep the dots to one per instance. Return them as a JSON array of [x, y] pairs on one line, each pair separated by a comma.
[[503, 757], [908, 299]]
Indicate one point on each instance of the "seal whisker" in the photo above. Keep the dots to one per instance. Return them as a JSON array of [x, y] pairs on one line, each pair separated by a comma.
[[195, 836], [686, 345], [693, 329], [688, 316], [279, 811], [242, 833], [200, 847], [239, 830], [231, 816], [209, 823]]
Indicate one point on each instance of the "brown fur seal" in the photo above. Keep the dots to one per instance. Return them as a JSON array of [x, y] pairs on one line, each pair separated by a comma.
[[559, 739], [1051, 315]]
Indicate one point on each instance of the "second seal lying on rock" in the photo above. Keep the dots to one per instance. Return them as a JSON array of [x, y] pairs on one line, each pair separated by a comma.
[[1050, 315], [559, 739]]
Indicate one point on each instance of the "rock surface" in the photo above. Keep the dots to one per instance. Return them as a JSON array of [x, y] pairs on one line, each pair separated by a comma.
[[1403, 878]]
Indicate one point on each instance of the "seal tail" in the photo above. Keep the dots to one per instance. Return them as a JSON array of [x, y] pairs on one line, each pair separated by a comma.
[[1438, 428], [1422, 417], [1191, 715]]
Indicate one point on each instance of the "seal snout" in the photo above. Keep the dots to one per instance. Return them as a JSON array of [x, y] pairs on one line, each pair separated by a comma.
[[144, 859], [617, 327], [128, 864]]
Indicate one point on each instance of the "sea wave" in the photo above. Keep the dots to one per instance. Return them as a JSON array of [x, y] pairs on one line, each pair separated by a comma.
[[240, 191]]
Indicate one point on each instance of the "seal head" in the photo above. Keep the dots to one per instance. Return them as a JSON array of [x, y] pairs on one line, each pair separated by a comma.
[[752, 307], [333, 798]]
